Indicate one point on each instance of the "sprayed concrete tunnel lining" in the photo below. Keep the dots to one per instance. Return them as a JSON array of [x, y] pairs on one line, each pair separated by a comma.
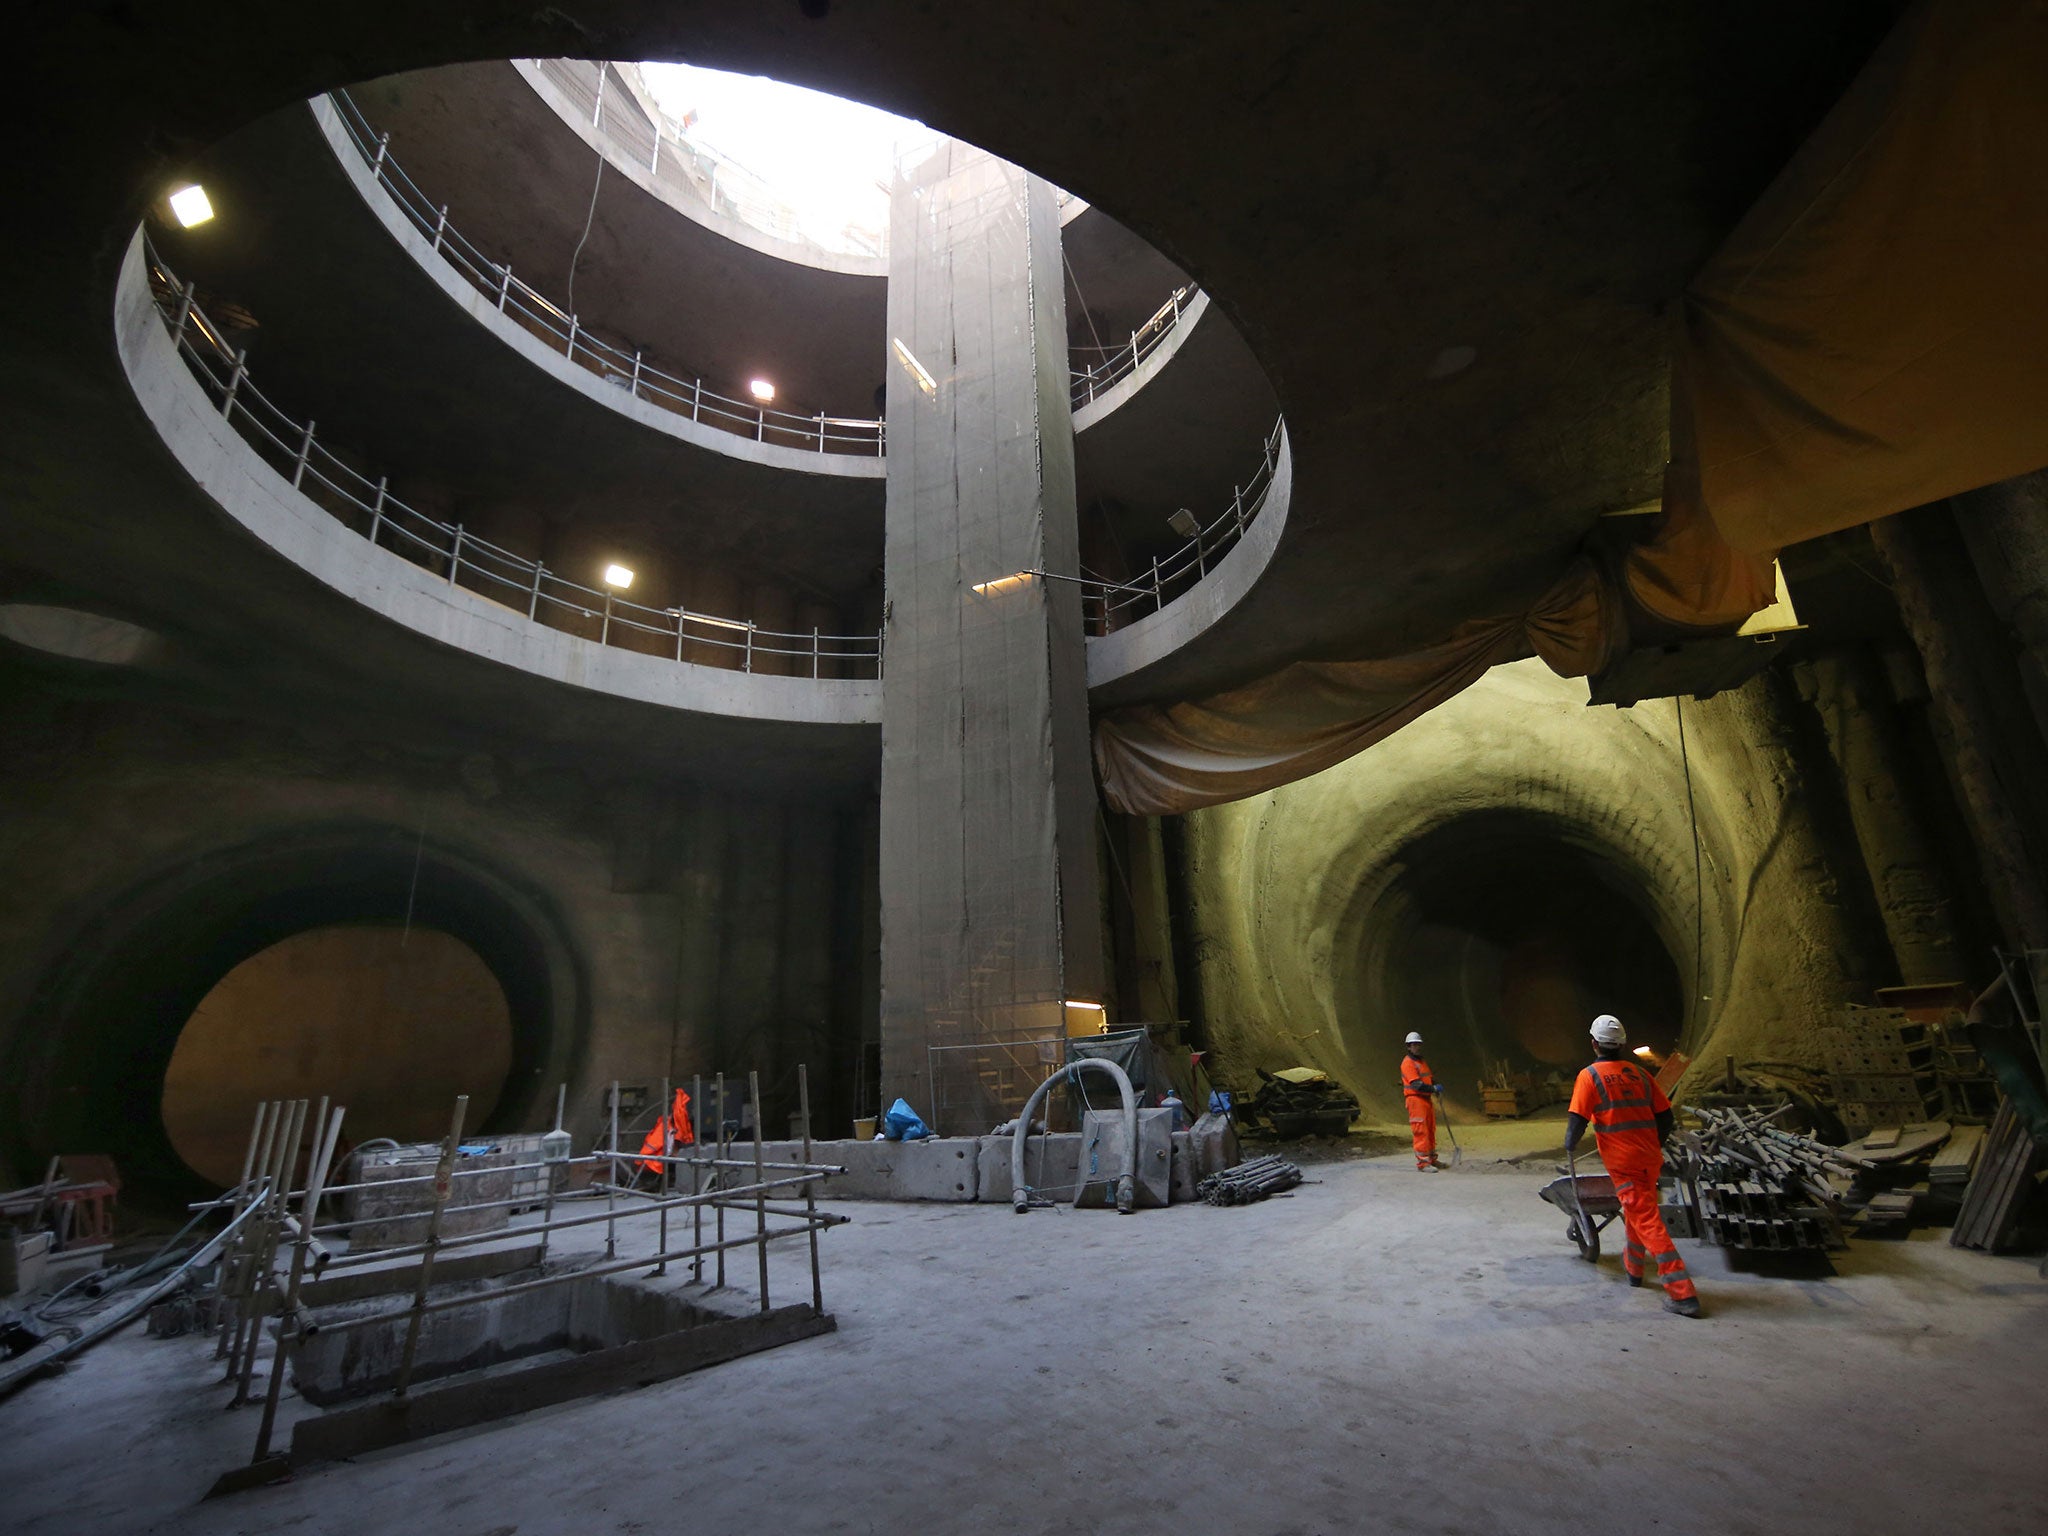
[[111, 1011], [1497, 935]]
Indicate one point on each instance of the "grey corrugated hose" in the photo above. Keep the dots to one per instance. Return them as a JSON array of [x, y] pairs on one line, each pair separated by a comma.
[[1126, 1186]]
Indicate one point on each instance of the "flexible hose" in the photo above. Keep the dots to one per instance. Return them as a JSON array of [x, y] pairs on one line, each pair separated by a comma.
[[1126, 1184]]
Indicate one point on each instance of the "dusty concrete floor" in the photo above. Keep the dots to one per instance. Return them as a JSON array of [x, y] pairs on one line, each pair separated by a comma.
[[1383, 1350]]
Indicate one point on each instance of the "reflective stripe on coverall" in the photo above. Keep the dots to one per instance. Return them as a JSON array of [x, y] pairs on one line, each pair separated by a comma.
[[1621, 1102], [1421, 1110]]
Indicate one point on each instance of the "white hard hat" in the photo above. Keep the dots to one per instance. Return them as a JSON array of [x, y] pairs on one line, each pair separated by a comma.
[[1607, 1030], [1413, 1038]]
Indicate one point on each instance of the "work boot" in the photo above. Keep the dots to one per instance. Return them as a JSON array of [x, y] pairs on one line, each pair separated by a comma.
[[1427, 1167], [1635, 1282], [1684, 1306]]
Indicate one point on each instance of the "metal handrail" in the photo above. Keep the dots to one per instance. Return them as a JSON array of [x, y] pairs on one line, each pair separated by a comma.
[[562, 329], [1105, 601], [451, 550], [1087, 378], [677, 163], [1092, 378]]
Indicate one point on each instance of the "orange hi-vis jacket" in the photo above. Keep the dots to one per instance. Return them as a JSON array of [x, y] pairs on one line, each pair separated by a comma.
[[680, 1133], [1621, 1102], [1415, 1071]]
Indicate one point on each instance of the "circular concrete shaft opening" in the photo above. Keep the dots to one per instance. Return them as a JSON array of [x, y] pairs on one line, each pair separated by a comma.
[[1500, 937], [390, 1022]]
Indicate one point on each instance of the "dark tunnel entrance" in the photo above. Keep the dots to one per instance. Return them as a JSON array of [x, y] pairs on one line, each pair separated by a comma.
[[477, 990], [1500, 937]]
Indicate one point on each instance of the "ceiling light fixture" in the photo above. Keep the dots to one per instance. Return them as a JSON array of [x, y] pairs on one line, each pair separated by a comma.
[[1003, 583], [618, 576], [912, 366], [761, 390], [190, 205]]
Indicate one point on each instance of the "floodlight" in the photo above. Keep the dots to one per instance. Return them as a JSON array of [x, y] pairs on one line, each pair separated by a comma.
[[916, 370], [191, 205], [1003, 584], [618, 576], [761, 390], [1183, 522]]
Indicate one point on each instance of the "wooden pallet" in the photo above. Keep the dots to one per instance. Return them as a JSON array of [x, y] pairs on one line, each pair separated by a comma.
[[1999, 1187]]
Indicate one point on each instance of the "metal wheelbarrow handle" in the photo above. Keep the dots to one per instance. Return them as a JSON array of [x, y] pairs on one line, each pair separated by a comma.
[[1583, 1232]]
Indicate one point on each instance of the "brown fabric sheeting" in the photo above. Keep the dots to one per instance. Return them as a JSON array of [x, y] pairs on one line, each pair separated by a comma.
[[1874, 334], [1158, 760]]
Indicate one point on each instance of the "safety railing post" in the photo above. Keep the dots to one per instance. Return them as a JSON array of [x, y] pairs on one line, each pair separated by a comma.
[[803, 1105], [377, 507], [377, 161], [760, 1193], [444, 1184], [504, 285], [440, 227], [748, 664], [305, 452], [696, 398], [679, 633], [821, 431], [455, 555], [1237, 507], [533, 593], [814, 652], [1201, 561], [570, 352], [604, 633], [1158, 599], [241, 370], [761, 424], [183, 316], [633, 385]]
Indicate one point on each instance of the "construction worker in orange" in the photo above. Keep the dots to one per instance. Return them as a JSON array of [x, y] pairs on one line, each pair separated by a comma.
[[677, 1123], [1419, 1090], [1631, 1121]]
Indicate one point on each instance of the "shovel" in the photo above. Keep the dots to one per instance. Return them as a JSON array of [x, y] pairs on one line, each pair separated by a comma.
[[1457, 1152]]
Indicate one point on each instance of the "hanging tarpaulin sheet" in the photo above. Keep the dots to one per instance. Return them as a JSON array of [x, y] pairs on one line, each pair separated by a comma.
[[1159, 760], [1874, 334]]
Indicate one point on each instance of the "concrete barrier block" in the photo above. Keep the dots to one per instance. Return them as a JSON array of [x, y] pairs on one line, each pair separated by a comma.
[[941, 1168], [1187, 1170], [1102, 1156], [1050, 1164]]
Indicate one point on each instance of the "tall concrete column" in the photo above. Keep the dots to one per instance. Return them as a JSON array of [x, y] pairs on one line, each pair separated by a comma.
[[2006, 529], [989, 884], [1848, 693], [1931, 600]]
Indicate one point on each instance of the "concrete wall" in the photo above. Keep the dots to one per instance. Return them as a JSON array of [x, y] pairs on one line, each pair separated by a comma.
[[392, 1021], [1289, 891]]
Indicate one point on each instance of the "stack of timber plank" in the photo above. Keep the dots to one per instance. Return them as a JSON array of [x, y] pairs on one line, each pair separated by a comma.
[[1999, 1187]]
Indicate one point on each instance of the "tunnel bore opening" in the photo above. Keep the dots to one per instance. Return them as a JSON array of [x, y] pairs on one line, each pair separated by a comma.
[[88, 1064], [1500, 937], [390, 1021]]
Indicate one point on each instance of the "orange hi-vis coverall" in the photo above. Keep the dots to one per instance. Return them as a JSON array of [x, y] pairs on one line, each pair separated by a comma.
[[1622, 1102], [677, 1120], [1418, 1091]]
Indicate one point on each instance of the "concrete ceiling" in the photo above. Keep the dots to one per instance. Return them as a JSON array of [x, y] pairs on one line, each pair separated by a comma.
[[1361, 186], [354, 333]]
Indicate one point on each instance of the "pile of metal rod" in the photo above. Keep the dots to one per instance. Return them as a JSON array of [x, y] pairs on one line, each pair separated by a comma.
[[1748, 1138], [1249, 1182], [1755, 1185]]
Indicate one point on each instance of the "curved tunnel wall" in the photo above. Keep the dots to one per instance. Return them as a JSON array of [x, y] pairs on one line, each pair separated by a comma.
[[108, 1015], [1518, 847]]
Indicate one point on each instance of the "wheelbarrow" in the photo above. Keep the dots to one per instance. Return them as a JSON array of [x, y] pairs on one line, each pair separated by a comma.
[[1591, 1203]]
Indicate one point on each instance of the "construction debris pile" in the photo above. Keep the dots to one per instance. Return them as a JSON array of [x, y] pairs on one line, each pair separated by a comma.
[[1296, 1102], [1751, 1184], [1249, 1182]]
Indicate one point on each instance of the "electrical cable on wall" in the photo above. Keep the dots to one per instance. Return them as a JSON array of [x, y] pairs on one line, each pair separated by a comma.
[[1699, 895], [589, 215]]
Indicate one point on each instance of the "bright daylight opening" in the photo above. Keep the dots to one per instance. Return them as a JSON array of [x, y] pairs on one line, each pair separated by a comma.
[[816, 164]]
